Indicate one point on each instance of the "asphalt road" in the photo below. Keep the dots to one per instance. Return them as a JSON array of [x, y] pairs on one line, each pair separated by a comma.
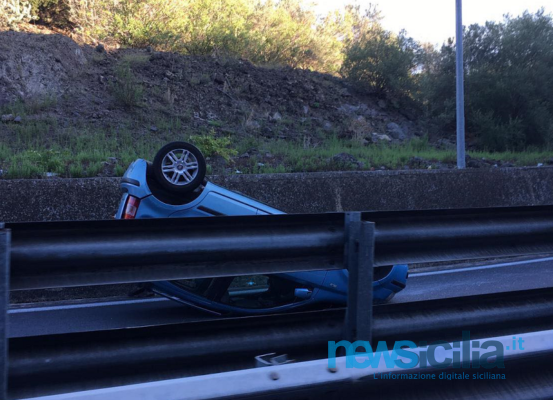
[[437, 284]]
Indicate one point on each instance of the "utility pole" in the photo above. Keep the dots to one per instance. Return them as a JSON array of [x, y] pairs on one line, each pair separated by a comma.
[[459, 68]]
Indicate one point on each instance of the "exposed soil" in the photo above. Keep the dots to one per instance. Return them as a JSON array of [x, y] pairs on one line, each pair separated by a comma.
[[226, 94], [82, 87]]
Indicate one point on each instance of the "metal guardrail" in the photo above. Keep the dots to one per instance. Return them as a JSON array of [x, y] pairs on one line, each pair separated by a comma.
[[62, 254], [86, 359], [5, 237], [313, 379]]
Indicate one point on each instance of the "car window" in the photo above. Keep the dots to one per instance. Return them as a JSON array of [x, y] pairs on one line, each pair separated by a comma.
[[249, 291], [249, 282]]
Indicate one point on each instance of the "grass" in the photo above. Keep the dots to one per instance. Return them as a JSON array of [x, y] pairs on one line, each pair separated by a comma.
[[126, 89], [39, 146], [30, 106], [304, 157]]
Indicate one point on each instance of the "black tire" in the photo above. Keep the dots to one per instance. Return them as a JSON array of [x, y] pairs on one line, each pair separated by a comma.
[[181, 178]]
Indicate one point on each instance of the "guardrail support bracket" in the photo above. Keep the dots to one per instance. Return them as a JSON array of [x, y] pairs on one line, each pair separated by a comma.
[[5, 241], [360, 264]]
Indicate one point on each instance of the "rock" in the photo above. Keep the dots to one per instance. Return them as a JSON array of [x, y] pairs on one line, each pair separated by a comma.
[[348, 109], [100, 48], [395, 131], [371, 113], [327, 126], [252, 124], [276, 117], [7, 117], [540, 164], [475, 163], [346, 160], [17, 120], [158, 55], [50, 175], [259, 164], [345, 93], [417, 163], [381, 104], [245, 155], [446, 144], [153, 128], [377, 137], [359, 127], [269, 155]]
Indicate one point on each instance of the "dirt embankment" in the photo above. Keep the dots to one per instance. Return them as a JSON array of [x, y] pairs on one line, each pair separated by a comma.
[[91, 85]]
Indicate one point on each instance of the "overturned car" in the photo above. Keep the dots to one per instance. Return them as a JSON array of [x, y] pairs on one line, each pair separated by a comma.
[[174, 186]]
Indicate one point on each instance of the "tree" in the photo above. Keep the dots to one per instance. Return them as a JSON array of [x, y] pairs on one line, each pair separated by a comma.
[[508, 83], [378, 61]]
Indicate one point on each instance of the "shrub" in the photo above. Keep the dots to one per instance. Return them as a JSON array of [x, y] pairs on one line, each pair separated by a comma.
[[493, 135], [508, 83], [381, 63], [55, 13], [211, 145], [126, 89], [13, 12]]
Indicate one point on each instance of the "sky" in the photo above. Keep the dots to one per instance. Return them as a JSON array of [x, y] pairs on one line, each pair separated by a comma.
[[433, 21]]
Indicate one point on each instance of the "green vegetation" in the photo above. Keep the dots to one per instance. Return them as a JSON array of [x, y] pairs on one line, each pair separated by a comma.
[[509, 82], [509, 79], [37, 147], [42, 146], [379, 62], [298, 158], [14, 12], [126, 89], [214, 146]]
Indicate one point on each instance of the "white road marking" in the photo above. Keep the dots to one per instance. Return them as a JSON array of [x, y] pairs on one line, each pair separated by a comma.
[[85, 305], [482, 267]]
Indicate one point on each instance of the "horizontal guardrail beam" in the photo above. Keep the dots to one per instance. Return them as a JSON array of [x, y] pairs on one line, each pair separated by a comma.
[[189, 347], [446, 235], [61, 254], [58, 254], [296, 380]]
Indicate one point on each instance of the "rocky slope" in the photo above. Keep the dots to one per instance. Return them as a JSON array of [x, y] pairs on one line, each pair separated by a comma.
[[228, 95]]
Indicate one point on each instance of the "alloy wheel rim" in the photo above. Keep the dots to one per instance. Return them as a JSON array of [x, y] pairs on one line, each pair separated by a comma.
[[179, 167]]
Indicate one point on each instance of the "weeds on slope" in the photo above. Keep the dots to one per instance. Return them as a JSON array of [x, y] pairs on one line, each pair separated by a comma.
[[46, 147]]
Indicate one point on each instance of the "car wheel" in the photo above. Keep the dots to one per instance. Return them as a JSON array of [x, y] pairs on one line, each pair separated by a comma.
[[179, 167]]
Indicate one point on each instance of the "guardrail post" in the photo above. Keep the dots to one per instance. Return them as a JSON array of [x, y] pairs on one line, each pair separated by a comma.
[[5, 240], [360, 263]]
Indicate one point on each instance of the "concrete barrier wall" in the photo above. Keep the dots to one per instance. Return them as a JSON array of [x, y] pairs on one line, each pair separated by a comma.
[[97, 198]]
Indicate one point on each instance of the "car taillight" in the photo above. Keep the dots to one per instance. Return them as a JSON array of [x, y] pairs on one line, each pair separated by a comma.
[[131, 208]]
